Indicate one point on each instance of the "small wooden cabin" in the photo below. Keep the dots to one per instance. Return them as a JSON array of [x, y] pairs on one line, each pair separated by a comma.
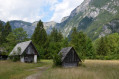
[[69, 57], [28, 52]]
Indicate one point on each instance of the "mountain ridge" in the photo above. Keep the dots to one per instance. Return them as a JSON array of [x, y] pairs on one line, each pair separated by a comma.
[[95, 18]]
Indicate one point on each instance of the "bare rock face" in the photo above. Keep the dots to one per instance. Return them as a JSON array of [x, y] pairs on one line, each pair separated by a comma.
[[49, 24], [109, 28], [64, 18], [95, 10], [81, 8]]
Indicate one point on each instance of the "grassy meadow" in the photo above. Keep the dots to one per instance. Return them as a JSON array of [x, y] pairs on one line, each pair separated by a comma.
[[91, 69], [18, 70]]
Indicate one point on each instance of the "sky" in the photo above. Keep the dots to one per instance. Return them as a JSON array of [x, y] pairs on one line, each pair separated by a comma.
[[34, 10]]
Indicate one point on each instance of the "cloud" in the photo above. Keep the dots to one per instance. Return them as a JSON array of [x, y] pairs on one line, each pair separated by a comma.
[[64, 8], [27, 10], [34, 10]]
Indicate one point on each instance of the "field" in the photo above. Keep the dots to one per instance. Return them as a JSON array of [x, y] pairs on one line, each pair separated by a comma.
[[18, 70], [90, 69]]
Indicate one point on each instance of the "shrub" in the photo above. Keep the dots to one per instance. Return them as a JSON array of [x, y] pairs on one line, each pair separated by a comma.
[[15, 57], [57, 60]]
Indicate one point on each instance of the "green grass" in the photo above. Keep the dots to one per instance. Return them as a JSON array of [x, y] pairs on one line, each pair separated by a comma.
[[18, 70], [91, 69]]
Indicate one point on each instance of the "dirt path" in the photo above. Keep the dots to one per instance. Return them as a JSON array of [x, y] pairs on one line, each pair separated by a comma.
[[37, 75]]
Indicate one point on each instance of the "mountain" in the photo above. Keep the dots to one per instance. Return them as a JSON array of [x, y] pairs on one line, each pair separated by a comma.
[[96, 18], [27, 26], [30, 27]]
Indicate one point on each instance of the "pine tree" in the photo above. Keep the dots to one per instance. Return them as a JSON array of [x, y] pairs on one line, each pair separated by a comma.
[[6, 31], [102, 47], [74, 37], [1, 29], [82, 44], [55, 43], [56, 36], [39, 38], [1, 26]]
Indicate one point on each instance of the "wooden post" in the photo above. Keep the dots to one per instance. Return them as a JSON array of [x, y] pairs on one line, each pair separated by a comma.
[[35, 58]]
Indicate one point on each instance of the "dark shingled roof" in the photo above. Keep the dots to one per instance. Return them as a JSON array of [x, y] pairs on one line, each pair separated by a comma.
[[64, 52]]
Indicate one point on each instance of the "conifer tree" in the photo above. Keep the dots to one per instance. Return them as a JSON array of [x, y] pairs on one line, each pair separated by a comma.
[[39, 38], [102, 47], [1, 29], [82, 44], [6, 31]]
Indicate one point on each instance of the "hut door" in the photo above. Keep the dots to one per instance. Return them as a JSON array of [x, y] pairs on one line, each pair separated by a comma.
[[29, 58]]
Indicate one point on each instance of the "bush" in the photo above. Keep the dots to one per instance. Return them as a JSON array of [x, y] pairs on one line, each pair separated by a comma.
[[14, 58], [57, 60]]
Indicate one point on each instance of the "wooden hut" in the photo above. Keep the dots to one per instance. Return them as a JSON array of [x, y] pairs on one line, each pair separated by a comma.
[[27, 52], [69, 57]]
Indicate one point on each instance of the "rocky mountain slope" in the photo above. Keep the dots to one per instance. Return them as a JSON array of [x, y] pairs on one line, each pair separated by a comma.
[[97, 18], [30, 27]]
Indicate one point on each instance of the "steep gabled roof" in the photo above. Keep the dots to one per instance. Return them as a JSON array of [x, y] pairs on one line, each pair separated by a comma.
[[64, 52], [22, 45]]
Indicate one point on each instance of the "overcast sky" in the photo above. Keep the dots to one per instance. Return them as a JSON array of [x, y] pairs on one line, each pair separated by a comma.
[[34, 10]]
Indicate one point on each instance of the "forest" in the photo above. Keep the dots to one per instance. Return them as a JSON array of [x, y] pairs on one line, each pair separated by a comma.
[[48, 45]]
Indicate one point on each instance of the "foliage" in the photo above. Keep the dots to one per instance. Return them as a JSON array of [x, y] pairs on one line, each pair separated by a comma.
[[6, 31], [20, 35], [16, 36], [100, 3], [39, 38], [107, 47], [1, 29], [15, 57], [82, 44], [54, 43], [57, 60]]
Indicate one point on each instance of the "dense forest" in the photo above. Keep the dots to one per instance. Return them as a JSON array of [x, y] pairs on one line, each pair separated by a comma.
[[49, 45]]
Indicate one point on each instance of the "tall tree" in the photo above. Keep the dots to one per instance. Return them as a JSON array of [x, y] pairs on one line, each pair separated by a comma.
[[102, 47], [16, 36], [1, 29], [20, 34], [6, 32], [55, 43], [56, 36], [82, 44], [39, 38]]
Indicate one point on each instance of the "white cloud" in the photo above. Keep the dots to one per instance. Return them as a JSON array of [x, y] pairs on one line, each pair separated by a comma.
[[33, 10], [64, 9], [27, 10]]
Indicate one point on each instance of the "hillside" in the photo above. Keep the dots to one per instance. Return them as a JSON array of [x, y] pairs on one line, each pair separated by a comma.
[[30, 27], [96, 18]]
